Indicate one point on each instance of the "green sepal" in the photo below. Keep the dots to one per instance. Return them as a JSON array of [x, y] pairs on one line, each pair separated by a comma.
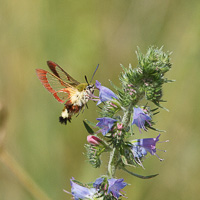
[[81, 184]]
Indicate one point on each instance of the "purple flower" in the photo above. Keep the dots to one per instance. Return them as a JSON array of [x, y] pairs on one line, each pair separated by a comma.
[[115, 186], [105, 94], [105, 123], [98, 183], [139, 118], [80, 192], [142, 146], [138, 152]]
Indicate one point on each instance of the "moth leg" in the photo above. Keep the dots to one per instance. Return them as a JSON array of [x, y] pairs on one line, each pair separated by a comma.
[[79, 111]]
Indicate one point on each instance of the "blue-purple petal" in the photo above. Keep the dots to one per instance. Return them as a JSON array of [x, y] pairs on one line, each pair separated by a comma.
[[115, 186], [106, 124], [139, 118], [98, 182], [80, 192], [105, 94], [98, 84], [149, 144], [138, 152]]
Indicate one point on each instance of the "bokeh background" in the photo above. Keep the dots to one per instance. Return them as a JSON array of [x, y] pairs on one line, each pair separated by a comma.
[[78, 35]]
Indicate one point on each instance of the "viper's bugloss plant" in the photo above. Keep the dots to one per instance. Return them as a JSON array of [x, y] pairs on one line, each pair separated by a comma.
[[121, 115]]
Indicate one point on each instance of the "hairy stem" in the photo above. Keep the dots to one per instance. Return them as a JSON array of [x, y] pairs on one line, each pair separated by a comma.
[[114, 154], [112, 162], [127, 116]]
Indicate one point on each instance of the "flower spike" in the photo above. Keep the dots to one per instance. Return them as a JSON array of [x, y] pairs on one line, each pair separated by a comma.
[[118, 112]]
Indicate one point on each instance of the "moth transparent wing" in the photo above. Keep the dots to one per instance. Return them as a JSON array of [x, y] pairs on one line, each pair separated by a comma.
[[59, 72], [55, 85]]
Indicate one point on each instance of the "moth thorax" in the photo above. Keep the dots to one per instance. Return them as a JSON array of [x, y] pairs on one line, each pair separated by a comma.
[[81, 87], [90, 89]]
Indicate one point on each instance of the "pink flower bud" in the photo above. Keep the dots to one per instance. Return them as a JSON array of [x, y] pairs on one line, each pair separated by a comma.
[[93, 140], [119, 126]]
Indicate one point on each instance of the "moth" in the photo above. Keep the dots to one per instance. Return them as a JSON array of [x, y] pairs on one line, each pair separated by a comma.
[[73, 94]]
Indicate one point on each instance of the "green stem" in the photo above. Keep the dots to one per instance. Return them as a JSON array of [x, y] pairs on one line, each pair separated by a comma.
[[114, 154], [112, 162], [25, 179], [127, 116]]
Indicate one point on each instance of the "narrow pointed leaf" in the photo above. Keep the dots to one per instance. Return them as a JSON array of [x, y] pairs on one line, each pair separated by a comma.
[[114, 86], [88, 128], [155, 129], [139, 176], [90, 123]]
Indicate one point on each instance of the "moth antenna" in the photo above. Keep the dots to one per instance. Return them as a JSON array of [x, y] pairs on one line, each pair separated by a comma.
[[94, 73], [86, 80]]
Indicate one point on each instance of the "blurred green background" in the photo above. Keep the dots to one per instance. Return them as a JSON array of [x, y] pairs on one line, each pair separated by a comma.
[[78, 35]]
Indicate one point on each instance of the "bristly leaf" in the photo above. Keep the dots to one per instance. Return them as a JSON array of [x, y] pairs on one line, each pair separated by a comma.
[[114, 86], [93, 153]]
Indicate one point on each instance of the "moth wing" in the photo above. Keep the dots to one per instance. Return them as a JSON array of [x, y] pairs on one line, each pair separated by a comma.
[[55, 85], [60, 73]]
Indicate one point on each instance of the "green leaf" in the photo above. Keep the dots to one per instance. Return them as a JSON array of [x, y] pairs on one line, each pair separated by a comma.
[[88, 128], [155, 129], [115, 87], [90, 123], [139, 176]]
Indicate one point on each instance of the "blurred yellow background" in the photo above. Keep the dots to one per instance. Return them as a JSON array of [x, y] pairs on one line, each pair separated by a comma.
[[78, 35]]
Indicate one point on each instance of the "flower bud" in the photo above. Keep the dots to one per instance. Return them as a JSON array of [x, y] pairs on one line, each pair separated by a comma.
[[94, 140], [119, 126]]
